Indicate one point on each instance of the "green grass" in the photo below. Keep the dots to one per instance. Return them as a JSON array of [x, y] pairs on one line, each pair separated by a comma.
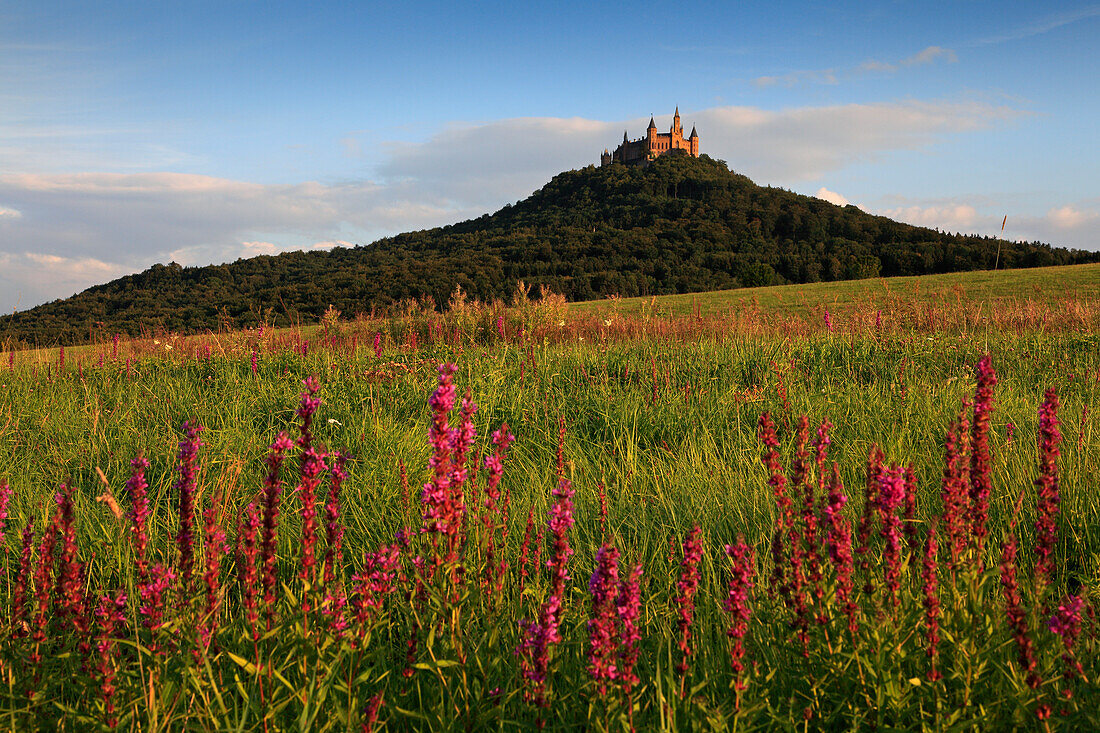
[[667, 425]]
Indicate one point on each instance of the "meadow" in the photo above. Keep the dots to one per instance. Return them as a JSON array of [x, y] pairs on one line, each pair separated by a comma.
[[831, 509]]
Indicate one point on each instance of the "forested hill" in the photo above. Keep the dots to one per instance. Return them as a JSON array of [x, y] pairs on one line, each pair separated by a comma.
[[678, 225]]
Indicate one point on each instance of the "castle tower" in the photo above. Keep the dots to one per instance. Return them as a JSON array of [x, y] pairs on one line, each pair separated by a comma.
[[677, 129], [693, 141]]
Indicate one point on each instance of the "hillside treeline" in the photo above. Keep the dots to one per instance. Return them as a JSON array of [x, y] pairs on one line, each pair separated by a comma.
[[679, 225]]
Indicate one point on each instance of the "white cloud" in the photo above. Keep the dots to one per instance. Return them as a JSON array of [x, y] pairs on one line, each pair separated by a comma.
[[948, 217], [331, 244], [930, 55], [29, 278], [1074, 225], [831, 196], [832, 76], [1068, 217], [6, 213]]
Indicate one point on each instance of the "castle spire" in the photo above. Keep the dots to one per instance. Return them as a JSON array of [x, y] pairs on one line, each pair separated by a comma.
[[652, 125], [693, 133]]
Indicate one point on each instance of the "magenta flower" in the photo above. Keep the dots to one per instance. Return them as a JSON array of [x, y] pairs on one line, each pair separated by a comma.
[[785, 513], [955, 487], [1046, 526], [686, 588], [602, 634], [931, 601], [247, 552], [111, 613], [1066, 624], [1015, 613], [185, 485], [373, 584], [310, 464], [378, 345], [214, 543], [6, 492], [874, 470], [980, 460], [152, 597], [891, 495], [272, 491], [136, 488], [539, 637], [440, 514], [838, 536], [18, 609], [737, 603], [494, 570], [334, 530], [628, 606]]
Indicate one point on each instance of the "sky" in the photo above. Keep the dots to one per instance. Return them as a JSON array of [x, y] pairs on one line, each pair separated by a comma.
[[133, 133]]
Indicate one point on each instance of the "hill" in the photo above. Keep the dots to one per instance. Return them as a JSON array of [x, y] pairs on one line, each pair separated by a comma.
[[679, 225]]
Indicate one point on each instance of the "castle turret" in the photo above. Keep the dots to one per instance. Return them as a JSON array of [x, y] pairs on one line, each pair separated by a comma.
[[676, 128], [693, 142]]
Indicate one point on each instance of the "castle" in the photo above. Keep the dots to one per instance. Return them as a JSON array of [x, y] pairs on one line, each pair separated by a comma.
[[654, 144]]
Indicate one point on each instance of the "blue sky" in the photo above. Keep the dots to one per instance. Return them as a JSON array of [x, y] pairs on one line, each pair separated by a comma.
[[135, 132]]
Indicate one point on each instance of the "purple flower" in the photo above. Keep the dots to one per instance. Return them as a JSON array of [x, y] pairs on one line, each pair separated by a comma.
[[686, 588], [931, 601], [980, 460], [737, 602], [602, 636], [628, 606], [271, 498], [891, 494], [1046, 526], [185, 485]]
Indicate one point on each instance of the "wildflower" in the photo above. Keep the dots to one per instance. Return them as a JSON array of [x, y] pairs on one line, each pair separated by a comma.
[[1066, 624], [214, 542], [628, 606], [1015, 613], [538, 637], [152, 596], [838, 535], [686, 588], [954, 489], [310, 464], [334, 530], [255, 362], [828, 321], [185, 485], [494, 466], [18, 609], [111, 613], [373, 583], [891, 494], [271, 498], [246, 565], [980, 460], [602, 637], [783, 504], [70, 580], [371, 713], [737, 603], [440, 514], [931, 601], [873, 471], [525, 547], [1046, 525], [6, 492], [378, 345]]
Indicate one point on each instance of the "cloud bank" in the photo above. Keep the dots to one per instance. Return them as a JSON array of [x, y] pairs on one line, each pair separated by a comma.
[[62, 232]]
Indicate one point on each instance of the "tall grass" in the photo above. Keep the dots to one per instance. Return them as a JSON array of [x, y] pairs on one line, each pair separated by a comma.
[[675, 584]]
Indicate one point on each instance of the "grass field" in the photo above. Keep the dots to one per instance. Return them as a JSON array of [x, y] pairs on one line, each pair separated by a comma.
[[637, 425]]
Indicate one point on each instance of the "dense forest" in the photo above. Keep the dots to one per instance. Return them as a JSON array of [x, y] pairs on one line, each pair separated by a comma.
[[677, 225]]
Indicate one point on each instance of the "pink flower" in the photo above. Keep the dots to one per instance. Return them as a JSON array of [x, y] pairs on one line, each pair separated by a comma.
[[931, 601], [310, 464], [628, 606], [980, 461], [186, 485], [737, 603], [602, 636], [272, 491], [891, 494], [686, 588], [955, 487], [1046, 526]]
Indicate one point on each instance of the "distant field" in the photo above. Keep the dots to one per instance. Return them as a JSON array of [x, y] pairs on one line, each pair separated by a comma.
[[1042, 284]]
